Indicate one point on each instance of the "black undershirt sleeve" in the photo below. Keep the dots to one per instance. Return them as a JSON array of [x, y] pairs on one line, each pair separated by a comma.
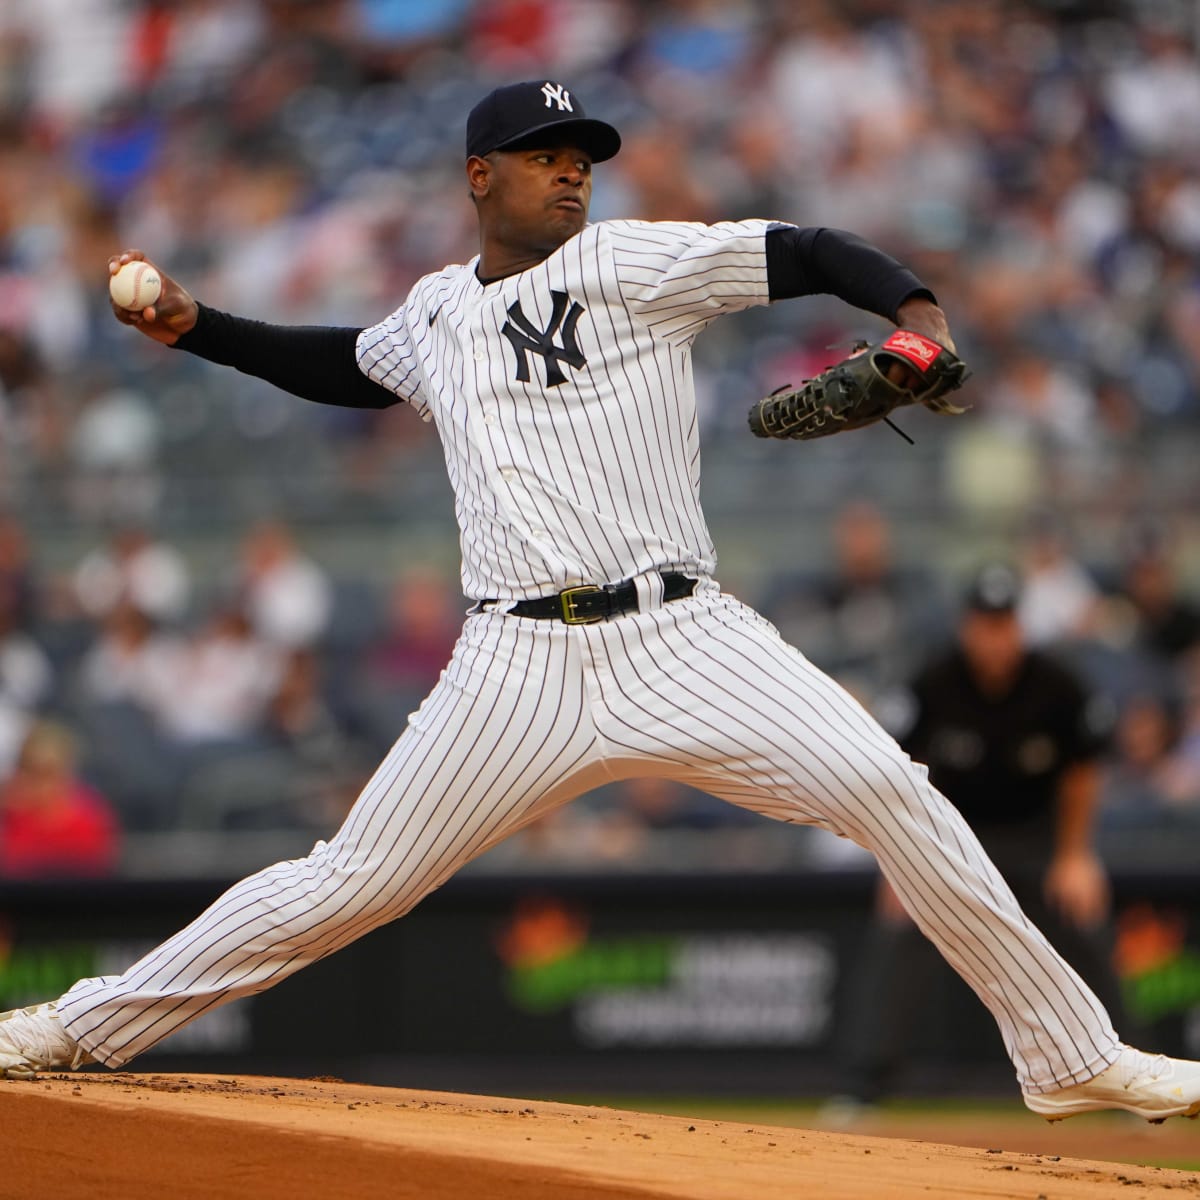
[[314, 362], [805, 262]]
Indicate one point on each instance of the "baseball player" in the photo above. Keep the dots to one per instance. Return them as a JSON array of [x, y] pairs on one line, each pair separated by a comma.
[[556, 366]]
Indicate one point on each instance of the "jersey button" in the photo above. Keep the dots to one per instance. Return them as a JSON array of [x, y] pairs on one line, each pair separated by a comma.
[[507, 473], [538, 534], [489, 418], [480, 355]]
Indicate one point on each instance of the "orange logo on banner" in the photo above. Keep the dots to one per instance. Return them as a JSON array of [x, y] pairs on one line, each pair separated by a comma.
[[1148, 938], [542, 930]]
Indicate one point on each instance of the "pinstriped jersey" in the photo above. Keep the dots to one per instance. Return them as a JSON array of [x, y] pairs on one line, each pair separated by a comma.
[[564, 399]]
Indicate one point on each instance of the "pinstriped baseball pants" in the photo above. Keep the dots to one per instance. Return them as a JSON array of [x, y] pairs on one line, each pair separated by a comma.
[[529, 714]]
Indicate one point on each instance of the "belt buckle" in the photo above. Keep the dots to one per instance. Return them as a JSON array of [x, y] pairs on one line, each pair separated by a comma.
[[568, 597]]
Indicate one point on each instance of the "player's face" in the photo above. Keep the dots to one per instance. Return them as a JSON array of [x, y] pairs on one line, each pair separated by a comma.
[[538, 197]]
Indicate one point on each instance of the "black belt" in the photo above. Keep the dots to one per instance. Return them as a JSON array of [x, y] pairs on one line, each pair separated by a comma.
[[587, 604]]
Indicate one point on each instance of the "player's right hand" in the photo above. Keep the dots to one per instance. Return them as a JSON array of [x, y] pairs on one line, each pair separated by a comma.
[[171, 315]]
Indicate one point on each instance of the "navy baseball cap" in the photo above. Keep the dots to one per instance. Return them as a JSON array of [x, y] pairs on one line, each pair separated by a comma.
[[996, 588], [521, 112]]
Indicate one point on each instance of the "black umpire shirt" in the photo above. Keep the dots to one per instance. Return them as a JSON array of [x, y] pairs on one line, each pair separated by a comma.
[[1000, 760]]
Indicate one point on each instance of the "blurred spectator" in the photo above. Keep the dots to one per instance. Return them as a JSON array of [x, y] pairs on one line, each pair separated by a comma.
[[222, 683], [654, 169], [130, 662], [51, 823], [16, 573], [1036, 163], [78, 53], [194, 48], [1148, 782], [398, 668], [864, 620], [287, 596], [33, 425], [1166, 621], [126, 677], [26, 678], [423, 621], [1034, 393], [133, 568], [118, 151], [509, 35], [835, 77], [258, 213], [408, 21], [651, 804], [1186, 778], [329, 768], [114, 447], [630, 823], [1154, 94], [1060, 600]]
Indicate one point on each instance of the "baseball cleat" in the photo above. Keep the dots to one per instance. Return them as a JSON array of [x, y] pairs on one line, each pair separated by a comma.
[[1152, 1086], [33, 1039]]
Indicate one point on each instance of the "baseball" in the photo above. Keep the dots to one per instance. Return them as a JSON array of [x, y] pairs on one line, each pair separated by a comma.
[[135, 285]]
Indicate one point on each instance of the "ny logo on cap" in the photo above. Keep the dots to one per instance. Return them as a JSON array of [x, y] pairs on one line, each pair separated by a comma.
[[527, 338], [555, 93]]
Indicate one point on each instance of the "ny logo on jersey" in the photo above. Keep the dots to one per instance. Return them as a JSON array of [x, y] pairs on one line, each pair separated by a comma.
[[526, 338], [555, 93]]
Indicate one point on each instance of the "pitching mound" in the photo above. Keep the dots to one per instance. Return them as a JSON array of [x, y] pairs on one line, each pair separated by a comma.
[[131, 1137]]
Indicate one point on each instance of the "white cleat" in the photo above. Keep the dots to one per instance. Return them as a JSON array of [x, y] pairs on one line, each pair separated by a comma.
[[33, 1039], [1151, 1086]]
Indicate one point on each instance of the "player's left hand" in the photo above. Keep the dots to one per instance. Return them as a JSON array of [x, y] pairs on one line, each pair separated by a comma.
[[926, 318], [1076, 887], [864, 388]]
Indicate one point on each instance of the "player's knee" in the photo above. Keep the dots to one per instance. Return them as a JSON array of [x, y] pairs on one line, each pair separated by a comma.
[[892, 779]]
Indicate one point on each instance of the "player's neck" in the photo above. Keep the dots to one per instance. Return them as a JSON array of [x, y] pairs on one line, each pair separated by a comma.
[[499, 259], [492, 267]]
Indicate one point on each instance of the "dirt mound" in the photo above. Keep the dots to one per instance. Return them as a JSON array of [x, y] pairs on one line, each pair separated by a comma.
[[132, 1136]]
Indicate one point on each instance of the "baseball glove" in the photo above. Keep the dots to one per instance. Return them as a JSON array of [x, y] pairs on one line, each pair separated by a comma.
[[857, 391]]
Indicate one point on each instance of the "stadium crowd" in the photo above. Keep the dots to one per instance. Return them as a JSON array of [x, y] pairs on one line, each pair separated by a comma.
[[173, 652]]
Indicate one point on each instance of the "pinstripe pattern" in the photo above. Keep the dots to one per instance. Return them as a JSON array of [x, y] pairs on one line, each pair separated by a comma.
[[530, 714], [593, 480], [736, 711], [598, 479], [505, 735]]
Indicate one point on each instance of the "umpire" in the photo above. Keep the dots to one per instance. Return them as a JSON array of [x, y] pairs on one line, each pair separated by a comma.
[[1012, 738]]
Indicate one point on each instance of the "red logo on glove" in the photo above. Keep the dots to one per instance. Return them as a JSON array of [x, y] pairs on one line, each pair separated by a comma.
[[919, 351]]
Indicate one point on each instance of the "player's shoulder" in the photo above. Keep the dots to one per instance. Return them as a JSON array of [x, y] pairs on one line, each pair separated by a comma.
[[439, 282], [424, 297], [663, 232], [676, 237]]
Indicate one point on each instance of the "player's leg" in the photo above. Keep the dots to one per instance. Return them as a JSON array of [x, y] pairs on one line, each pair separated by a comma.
[[710, 687], [1024, 861], [505, 735]]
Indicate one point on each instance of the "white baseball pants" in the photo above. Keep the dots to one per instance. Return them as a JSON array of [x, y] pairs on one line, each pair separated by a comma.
[[530, 713]]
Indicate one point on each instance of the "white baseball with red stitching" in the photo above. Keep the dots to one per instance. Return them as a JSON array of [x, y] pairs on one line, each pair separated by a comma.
[[135, 286]]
